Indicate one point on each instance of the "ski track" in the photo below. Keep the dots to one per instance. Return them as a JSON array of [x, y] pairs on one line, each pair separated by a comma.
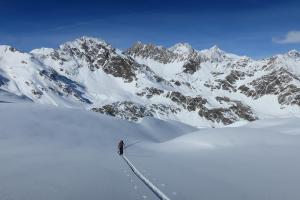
[[147, 182]]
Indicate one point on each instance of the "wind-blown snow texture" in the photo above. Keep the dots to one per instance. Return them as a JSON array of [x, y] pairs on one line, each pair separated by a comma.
[[207, 88], [58, 153]]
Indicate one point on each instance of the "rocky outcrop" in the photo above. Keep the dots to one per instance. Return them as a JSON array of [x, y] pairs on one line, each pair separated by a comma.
[[228, 83], [290, 95], [151, 51], [120, 67], [187, 102], [191, 66], [146, 80], [279, 82], [150, 92], [230, 112], [125, 110], [241, 110], [134, 112]]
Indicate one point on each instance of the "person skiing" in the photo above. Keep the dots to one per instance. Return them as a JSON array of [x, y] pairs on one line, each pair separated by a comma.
[[121, 147]]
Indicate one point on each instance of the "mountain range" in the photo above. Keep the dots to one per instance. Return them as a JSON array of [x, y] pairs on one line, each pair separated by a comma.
[[203, 88]]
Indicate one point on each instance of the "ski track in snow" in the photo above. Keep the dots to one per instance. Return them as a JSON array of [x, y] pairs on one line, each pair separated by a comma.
[[49, 153], [147, 182]]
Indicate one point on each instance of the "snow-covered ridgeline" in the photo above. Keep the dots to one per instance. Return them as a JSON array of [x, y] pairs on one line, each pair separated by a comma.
[[203, 88]]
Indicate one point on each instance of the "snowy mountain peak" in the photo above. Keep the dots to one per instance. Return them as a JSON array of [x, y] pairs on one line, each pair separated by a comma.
[[92, 40], [140, 45], [181, 48], [85, 42], [6, 48], [201, 88], [215, 48], [42, 51], [214, 53], [151, 51], [294, 53]]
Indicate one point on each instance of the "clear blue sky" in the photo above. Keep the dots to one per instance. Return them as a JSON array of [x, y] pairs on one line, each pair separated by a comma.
[[256, 28]]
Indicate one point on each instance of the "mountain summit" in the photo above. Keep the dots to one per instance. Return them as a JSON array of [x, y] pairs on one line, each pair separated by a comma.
[[204, 88]]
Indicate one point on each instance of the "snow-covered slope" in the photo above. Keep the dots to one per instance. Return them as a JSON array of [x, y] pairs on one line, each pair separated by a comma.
[[233, 88], [202, 88], [59, 153]]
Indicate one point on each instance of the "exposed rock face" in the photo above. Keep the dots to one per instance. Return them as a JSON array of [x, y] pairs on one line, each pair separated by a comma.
[[191, 66], [133, 111], [120, 67], [150, 92], [37, 93], [290, 95], [228, 83], [96, 55], [125, 110], [163, 109], [238, 108], [189, 103], [279, 82], [150, 51], [208, 87], [218, 115], [228, 115]]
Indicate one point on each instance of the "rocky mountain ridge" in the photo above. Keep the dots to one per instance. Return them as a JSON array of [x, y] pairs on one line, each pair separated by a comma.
[[206, 88]]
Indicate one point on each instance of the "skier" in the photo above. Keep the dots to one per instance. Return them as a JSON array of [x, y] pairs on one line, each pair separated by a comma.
[[121, 147]]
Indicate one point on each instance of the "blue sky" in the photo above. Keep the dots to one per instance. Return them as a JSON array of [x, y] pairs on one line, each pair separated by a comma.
[[256, 28]]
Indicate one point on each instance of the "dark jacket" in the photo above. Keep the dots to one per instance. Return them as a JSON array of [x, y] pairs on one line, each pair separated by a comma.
[[121, 147]]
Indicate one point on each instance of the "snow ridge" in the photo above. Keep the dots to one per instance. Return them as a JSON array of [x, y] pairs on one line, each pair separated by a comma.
[[203, 88]]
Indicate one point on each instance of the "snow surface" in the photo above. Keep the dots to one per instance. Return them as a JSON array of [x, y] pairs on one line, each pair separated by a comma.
[[57, 153], [147, 182]]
